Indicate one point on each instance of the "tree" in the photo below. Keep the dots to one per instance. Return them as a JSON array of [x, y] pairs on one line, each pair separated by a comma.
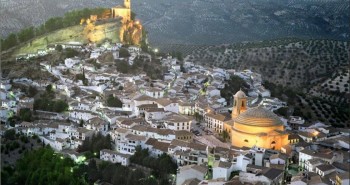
[[233, 85], [32, 91], [53, 24], [225, 135], [96, 143], [161, 166], [114, 101], [60, 106], [123, 66], [179, 56], [9, 42], [25, 114], [283, 111], [123, 52], [133, 178], [144, 45], [70, 53], [46, 104], [10, 134], [43, 166], [26, 34], [59, 47], [48, 88], [40, 30]]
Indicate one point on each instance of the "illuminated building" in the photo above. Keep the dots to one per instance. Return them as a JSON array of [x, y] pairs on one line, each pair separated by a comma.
[[255, 126], [122, 11]]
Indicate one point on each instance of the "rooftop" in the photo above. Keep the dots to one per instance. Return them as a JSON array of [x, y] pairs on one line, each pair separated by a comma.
[[272, 173], [200, 168], [259, 116], [325, 167]]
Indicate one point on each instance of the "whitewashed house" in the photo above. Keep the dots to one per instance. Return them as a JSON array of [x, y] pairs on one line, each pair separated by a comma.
[[115, 157], [168, 105], [154, 92], [222, 169]]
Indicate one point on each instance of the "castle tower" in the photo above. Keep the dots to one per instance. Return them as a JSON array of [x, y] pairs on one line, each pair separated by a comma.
[[127, 4], [239, 104]]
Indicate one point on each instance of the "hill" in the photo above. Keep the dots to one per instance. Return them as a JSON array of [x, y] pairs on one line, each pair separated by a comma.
[[312, 73], [205, 22], [101, 31], [290, 62]]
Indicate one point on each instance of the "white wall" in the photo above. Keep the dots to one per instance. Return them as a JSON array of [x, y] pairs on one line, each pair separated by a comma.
[[252, 178], [277, 161], [221, 173]]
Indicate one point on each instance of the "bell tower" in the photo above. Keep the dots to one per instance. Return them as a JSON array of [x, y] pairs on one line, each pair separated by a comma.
[[239, 104], [127, 4]]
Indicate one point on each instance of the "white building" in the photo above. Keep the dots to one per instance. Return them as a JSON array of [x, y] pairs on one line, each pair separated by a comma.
[[178, 122], [168, 105], [324, 169], [215, 122], [154, 92], [190, 172], [269, 176], [154, 114], [128, 144], [115, 157], [326, 156], [77, 115], [222, 169], [70, 62]]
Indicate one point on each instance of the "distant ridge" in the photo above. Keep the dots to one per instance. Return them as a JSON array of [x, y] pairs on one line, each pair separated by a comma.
[[191, 22]]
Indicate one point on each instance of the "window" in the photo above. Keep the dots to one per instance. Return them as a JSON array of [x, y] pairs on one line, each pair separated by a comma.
[[246, 140]]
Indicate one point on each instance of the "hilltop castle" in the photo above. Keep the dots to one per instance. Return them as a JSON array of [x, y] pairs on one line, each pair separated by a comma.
[[122, 11]]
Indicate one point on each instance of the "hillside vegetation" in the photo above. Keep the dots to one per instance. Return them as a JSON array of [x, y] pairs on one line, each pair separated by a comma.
[[71, 18], [286, 62], [205, 22], [109, 30], [315, 72]]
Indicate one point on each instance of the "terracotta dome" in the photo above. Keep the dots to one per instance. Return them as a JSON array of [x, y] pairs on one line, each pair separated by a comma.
[[259, 116], [240, 94]]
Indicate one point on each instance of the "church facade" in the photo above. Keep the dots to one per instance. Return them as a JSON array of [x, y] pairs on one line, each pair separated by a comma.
[[254, 126]]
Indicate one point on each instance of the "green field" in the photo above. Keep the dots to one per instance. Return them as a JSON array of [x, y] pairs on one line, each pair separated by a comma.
[[71, 34]]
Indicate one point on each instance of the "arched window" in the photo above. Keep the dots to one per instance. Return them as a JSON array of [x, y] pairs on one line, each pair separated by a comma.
[[273, 142], [242, 103]]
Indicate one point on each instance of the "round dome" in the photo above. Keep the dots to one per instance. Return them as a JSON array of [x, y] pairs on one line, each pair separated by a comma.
[[258, 116], [240, 94]]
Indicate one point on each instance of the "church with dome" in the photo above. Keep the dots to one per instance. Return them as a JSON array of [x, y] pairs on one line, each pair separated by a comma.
[[255, 126]]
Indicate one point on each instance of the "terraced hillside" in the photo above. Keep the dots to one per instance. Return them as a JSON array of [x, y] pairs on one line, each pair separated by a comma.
[[203, 22], [316, 70], [288, 62]]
